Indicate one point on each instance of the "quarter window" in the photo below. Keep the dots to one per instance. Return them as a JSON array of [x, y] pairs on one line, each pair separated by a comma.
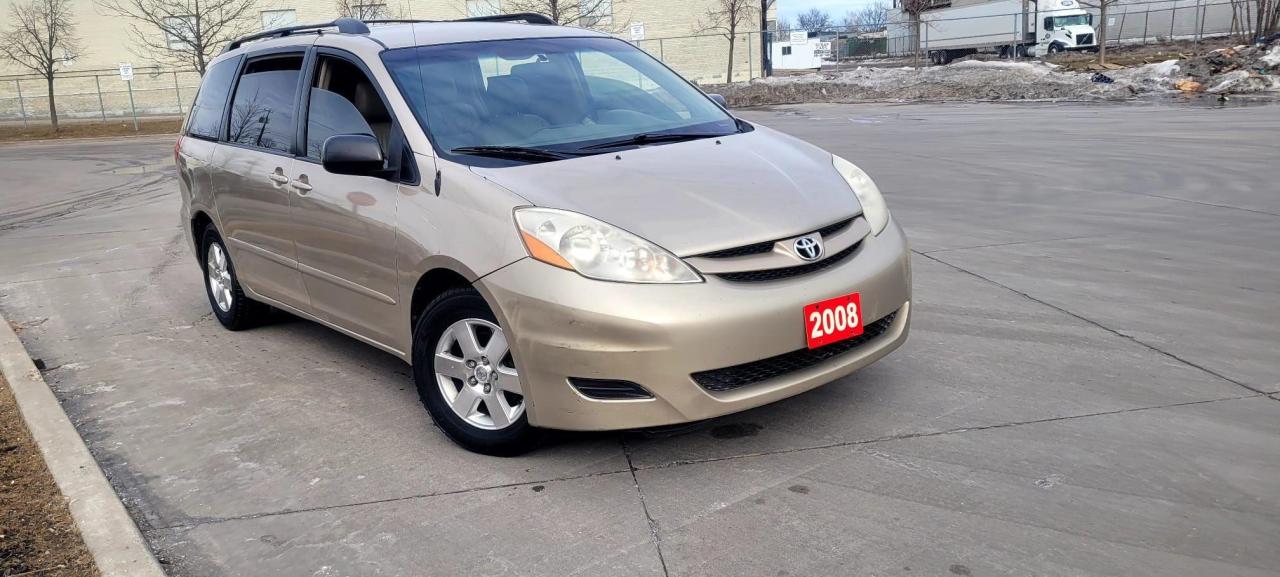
[[263, 107], [206, 113]]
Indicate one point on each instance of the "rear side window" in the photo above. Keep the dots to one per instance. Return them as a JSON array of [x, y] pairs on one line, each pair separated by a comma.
[[263, 107], [206, 113]]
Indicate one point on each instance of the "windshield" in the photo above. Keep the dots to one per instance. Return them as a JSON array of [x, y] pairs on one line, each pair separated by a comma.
[[559, 94], [1077, 20]]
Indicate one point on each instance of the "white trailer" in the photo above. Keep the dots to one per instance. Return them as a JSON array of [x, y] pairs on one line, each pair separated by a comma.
[[1002, 26]]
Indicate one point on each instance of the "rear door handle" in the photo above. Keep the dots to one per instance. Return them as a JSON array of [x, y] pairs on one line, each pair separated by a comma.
[[301, 187]]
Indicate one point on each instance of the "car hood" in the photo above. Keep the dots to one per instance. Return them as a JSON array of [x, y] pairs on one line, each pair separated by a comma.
[[697, 196]]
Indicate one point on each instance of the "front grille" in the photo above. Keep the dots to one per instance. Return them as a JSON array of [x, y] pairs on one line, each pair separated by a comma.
[[766, 246], [790, 271], [1084, 40], [738, 376]]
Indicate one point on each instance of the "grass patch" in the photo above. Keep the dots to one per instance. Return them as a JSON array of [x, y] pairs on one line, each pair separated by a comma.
[[37, 535], [115, 127]]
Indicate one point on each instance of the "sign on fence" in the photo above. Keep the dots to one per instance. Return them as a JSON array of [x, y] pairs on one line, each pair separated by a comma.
[[637, 31], [126, 71]]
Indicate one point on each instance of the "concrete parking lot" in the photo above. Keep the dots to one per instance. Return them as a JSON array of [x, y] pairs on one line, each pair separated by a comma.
[[1092, 386]]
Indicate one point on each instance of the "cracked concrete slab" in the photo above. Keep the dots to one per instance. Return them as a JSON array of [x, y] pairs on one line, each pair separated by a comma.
[[1124, 494]]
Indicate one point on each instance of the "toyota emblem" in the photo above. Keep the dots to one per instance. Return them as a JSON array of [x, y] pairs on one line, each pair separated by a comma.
[[808, 248]]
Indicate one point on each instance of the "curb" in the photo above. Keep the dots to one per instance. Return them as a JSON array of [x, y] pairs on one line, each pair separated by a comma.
[[108, 532]]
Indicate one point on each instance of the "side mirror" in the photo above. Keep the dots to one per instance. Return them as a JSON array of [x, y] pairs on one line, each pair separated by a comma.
[[718, 99], [357, 154]]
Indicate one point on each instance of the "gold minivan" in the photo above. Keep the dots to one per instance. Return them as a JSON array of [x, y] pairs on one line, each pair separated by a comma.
[[553, 228]]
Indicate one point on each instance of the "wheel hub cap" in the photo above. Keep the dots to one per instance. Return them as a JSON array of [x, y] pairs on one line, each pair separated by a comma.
[[477, 376], [219, 272]]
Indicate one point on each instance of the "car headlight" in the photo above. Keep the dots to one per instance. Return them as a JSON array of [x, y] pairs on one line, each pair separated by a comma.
[[873, 207], [597, 250]]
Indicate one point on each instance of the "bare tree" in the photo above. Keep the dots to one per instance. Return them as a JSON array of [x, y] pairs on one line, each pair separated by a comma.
[[186, 32], [814, 20], [726, 18], [782, 24], [598, 14], [913, 8], [871, 18], [1102, 6], [40, 38]]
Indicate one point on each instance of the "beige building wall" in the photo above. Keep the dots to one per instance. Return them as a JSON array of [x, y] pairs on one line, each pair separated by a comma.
[[89, 85]]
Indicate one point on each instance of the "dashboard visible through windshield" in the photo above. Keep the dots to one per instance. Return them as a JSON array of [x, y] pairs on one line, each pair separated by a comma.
[[539, 99]]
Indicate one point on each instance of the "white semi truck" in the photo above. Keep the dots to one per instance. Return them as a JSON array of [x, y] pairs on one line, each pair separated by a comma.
[[1005, 27]]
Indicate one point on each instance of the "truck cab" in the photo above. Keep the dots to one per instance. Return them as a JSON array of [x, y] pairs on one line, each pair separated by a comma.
[[1063, 25]]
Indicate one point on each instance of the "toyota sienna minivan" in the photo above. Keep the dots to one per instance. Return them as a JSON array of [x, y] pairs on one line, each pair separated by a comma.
[[553, 228]]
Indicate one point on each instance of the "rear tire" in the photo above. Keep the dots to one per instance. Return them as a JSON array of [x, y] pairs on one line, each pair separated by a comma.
[[234, 310], [466, 376]]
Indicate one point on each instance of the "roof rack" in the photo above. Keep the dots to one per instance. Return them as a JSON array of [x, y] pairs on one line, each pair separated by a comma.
[[526, 17], [344, 26], [354, 26]]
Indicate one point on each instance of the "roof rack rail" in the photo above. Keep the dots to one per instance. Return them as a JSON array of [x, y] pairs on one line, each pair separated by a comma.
[[527, 17], [344, 26]]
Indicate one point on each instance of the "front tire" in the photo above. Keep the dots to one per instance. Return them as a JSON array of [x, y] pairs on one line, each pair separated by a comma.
[[466, 376], [234, 310]]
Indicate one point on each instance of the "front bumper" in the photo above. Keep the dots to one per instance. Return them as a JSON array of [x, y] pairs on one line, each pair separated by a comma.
[[563, 325]]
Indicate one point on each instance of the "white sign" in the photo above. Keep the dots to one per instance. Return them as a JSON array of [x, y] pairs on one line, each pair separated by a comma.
[[126, 71], [637, 30], [821, 46], [799, 37]]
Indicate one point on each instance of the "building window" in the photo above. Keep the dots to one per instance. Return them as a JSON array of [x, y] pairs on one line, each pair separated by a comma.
[[786, 51], [278, 18], [369, 11], [477, 8], [179, 31], [596, 13]]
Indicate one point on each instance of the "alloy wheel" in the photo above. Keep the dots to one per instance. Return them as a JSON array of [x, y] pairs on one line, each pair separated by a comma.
[[219, 273], [477, 376]]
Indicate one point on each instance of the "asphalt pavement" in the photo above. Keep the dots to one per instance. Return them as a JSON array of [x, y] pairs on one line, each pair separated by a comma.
[[1092, 385]]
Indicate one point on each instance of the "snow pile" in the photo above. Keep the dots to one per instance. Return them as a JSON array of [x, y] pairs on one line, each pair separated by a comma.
[[1237, 70], [967, 80]]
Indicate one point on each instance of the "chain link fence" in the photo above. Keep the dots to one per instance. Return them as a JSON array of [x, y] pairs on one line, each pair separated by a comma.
[[98, 95]]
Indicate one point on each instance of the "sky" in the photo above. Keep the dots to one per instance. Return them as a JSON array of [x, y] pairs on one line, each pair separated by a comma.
[[790, 9]]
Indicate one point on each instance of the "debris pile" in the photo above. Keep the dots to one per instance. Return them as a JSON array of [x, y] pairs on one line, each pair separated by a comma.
[[1240, 69], [1244, 69]]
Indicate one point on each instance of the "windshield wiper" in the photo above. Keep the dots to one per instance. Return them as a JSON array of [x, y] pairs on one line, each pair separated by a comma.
[[651, 138], [513, 152]]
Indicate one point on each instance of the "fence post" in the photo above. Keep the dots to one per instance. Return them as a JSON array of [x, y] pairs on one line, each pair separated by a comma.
[[177, 92], [132, 109], [1013, 48], [835, 42], [750, 57], [1146, 18], [1202, 15], [925, 53], [1120, 34], [1173, 17], [101, 107], [661, 56], [22, 107]]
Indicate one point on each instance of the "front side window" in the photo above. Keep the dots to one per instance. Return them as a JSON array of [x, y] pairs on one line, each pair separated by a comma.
[[206, 114], [263, 106], [563, 94], [344, 101]]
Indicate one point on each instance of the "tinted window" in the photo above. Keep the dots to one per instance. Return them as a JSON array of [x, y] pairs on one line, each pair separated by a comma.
[[263, 107], [344, 101], [206, 113]]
